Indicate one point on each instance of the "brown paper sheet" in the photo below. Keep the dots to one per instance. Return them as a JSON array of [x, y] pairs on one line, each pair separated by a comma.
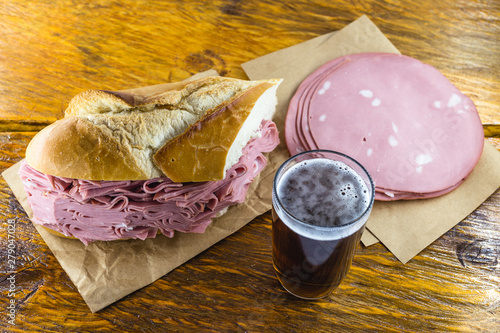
[[105, 272], [404, 227], [368, 238]]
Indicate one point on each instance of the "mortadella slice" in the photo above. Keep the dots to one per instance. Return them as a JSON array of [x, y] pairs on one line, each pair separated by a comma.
[[414, 131]]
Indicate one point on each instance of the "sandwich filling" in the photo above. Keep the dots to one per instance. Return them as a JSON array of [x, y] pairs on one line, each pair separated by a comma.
[[112, 210]]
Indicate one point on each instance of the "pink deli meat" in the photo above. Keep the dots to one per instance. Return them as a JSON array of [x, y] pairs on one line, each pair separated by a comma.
[[414, 131], [111, 210]]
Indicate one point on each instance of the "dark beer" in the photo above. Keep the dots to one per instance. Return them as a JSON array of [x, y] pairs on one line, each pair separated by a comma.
[[320, 207]]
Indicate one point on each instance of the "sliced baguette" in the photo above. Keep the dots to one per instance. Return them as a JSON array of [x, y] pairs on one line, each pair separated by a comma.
[[131, 134], [206, 150]]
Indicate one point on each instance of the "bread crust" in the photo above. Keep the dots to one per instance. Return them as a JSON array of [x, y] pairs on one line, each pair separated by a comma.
[[74, 148], [119, 135], [205, 145]]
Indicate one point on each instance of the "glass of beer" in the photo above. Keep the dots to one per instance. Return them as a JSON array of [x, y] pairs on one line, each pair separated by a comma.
[[321, 202]]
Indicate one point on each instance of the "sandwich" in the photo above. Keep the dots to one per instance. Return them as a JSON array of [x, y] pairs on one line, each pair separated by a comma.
[[131, 164]]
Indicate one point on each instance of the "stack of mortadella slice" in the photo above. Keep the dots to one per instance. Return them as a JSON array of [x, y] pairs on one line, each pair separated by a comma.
[[413, 130]]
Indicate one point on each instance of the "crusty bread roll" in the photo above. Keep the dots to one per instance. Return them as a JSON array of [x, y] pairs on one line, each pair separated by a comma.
[[187, 131]]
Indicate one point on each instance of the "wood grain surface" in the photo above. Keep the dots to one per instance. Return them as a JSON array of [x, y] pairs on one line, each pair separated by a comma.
[[51, 50]]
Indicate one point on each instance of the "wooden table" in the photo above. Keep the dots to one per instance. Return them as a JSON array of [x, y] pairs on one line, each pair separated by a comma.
[[51, 50]]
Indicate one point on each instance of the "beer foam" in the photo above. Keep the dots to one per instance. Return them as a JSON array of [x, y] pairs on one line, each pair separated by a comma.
[[322, 193]]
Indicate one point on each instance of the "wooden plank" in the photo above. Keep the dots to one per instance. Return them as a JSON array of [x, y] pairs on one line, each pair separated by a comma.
[[52, 50]]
